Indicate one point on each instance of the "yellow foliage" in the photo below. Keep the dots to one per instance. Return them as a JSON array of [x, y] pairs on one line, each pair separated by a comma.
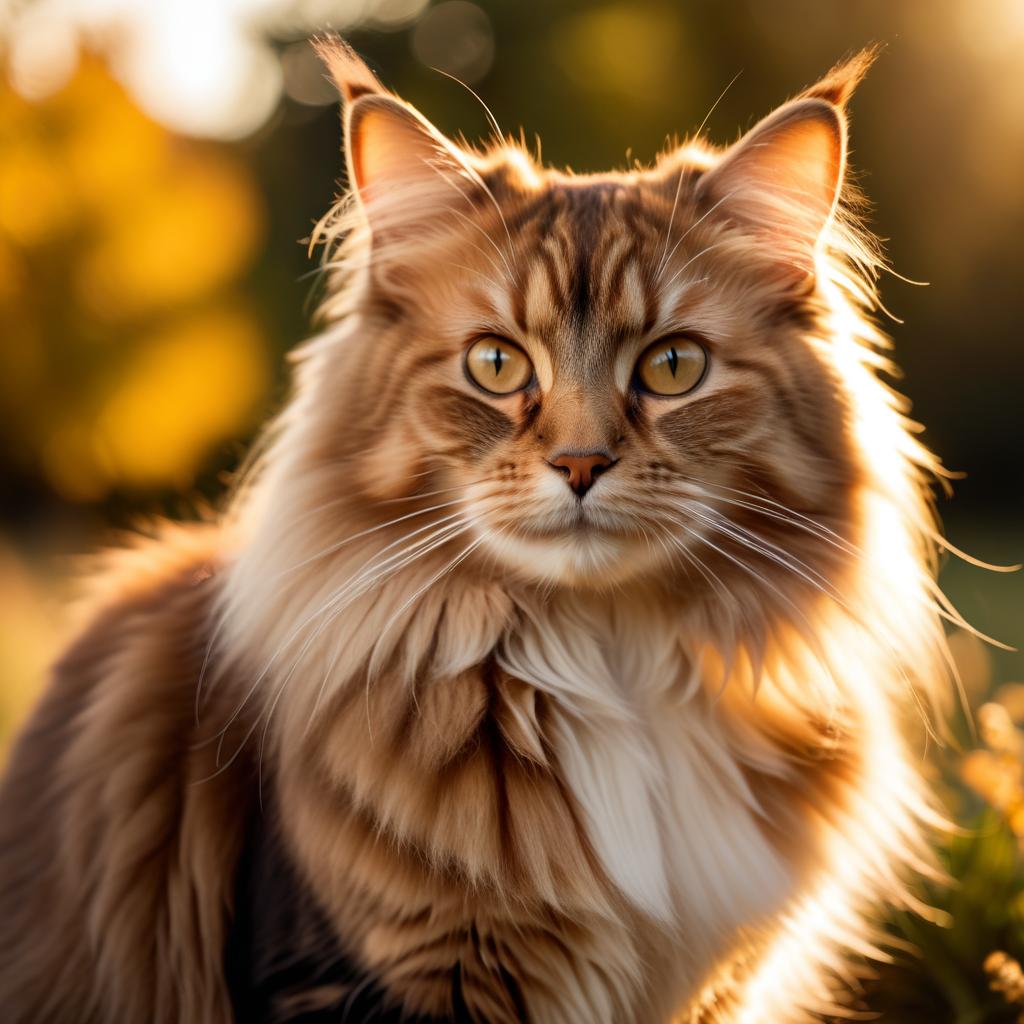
[[112, 150], [35, 204], [129, 349], [1011, 696], [28, 635], [996, 773], [195, 380], [996, 778], [11, 274], [998, 731], [189, 233], [1006, 977]]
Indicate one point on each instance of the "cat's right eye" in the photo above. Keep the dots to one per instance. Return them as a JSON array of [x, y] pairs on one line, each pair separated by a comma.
[[498, 366]]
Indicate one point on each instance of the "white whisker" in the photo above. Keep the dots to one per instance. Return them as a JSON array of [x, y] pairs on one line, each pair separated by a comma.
[[707, 213], [376, 571], [338, 545], [696, 256]]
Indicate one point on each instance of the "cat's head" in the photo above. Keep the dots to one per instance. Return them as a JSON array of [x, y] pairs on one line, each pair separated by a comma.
[[597, 377]]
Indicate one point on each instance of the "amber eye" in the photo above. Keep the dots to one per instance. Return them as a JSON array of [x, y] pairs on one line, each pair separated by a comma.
[[672, 366], [498, 366]]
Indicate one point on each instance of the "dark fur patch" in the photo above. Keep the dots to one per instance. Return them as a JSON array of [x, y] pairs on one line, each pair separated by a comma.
[[477, 425], [283, 962]]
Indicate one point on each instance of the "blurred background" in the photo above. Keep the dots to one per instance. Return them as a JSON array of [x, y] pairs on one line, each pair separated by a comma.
[[160, 165]]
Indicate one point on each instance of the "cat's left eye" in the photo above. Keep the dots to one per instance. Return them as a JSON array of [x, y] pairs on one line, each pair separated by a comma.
[[498, 366], [672, 366]]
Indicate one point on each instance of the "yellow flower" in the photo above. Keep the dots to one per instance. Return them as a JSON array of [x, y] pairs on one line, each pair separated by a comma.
[[1005, 976]]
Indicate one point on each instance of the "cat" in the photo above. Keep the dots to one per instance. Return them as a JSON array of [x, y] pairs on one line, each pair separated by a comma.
[[563, 655]]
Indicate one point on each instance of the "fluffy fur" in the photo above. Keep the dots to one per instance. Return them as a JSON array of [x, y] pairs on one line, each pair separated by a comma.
[[641, 756]]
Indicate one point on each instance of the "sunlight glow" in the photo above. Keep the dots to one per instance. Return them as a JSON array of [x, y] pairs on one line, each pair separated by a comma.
[[201, 67]]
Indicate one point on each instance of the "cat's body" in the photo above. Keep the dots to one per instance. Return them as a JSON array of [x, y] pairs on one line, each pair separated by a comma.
[[418, 732], [151, 814]]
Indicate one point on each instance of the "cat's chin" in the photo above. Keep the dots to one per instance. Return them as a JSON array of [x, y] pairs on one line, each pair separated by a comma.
[[573, 558]]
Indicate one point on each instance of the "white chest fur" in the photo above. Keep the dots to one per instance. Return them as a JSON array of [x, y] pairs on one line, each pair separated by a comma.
[[654, 770]]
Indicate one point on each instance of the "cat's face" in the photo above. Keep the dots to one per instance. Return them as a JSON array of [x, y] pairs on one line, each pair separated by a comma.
[[611, 375]]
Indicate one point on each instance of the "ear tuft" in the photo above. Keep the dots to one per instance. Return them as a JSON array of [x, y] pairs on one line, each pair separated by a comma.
[[838, 85], [348, 70]]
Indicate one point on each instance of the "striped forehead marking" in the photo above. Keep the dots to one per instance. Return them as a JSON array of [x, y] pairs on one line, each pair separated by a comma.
[[591, 261]]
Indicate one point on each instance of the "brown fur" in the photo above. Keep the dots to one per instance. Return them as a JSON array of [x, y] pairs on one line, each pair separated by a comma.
[[118, 835]]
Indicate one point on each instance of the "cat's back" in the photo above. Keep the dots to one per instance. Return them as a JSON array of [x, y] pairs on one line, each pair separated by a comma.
[[122, 813]]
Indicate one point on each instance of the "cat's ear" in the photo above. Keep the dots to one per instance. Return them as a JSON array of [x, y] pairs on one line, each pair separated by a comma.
[[783, 179], [405, 172], [403, 168]]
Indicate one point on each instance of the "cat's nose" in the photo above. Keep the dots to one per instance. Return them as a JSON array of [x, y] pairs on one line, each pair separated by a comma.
[[581, 469]]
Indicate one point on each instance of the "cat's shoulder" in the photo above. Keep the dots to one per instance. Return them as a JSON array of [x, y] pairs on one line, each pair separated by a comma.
[[143, 565], [123, 787], [143, 623], [142, 629]]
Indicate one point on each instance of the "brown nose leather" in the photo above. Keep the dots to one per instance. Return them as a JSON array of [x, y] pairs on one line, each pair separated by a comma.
[[581, 470]]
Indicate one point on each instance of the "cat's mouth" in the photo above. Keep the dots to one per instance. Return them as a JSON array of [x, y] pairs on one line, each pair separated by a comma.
[[580, 551], [574, 524]]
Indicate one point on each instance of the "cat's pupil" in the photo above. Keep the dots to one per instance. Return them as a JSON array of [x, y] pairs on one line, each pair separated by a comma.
[[498, 360], [673, 360]]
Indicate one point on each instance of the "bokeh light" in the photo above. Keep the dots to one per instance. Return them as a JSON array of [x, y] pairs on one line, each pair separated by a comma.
[[201, 67], [618, 48], [127, 350], [455, 37]]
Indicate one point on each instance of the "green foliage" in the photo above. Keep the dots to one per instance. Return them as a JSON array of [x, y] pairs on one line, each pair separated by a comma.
[[937, 973]]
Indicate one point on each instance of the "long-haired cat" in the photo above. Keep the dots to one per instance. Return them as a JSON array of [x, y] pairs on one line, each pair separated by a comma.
[[559, 658]]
